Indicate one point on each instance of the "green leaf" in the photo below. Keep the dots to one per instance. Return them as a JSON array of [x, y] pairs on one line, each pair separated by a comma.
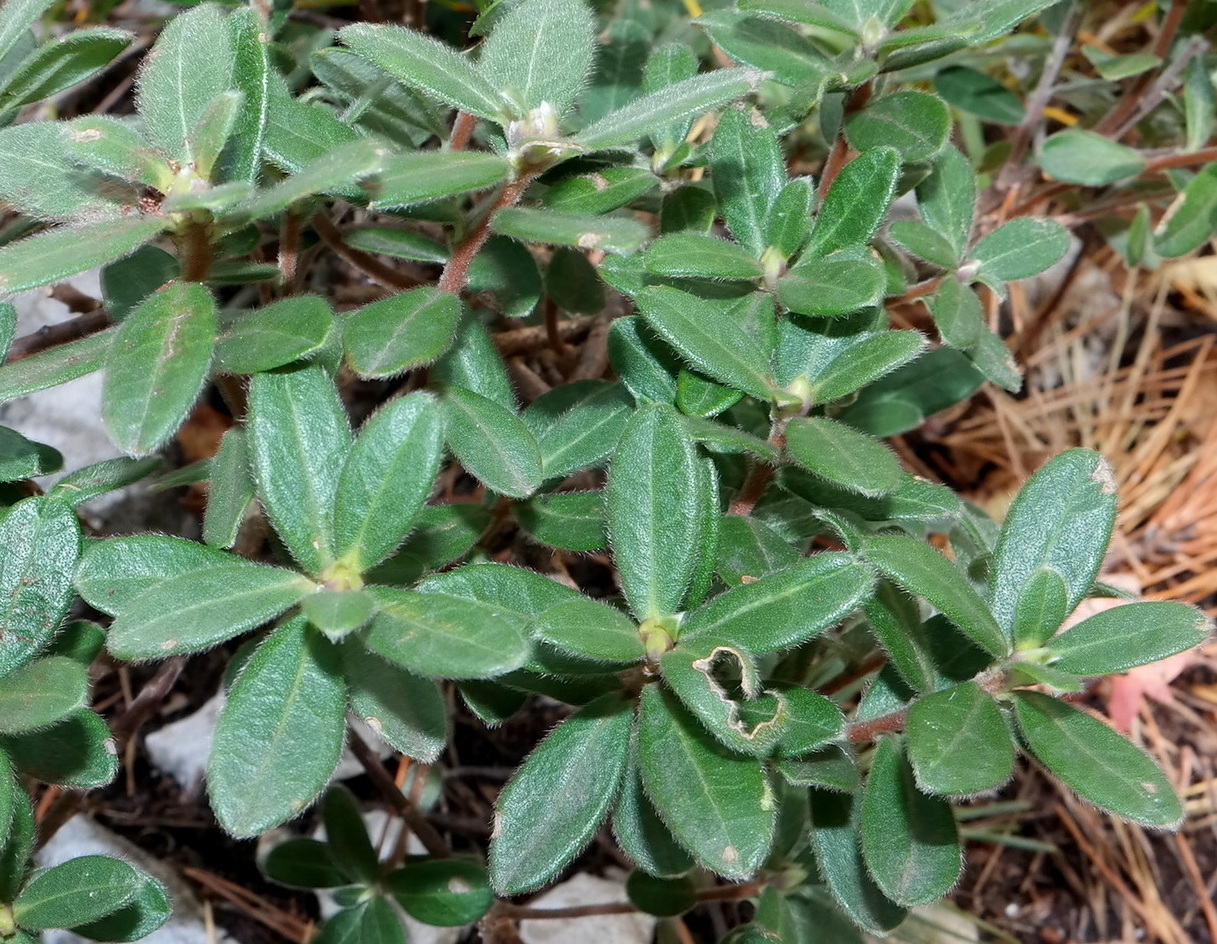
[[401, 332], [386, 479], [540, 53], [809, 14], [663, 897], [837, 284], [718, 805], [406, 710], [230, 489], [19, 835], [298, 442], [446, 636], [843, 455], [337, 612], [78, 891], [114, 149], [707, 337], [616, 234], [41, 693], [18, 17], [333, 171], [924, 242], [921, 569], [592, 630], [785, 54], [492, 443], [572, 521], [781, 609], [947, 199], [653, 518], [698, 397], [147, 910], [115, 573], [242, 157], [443, 533], [1061, 520], [1193, 222], [601, 191], [9, 800], [831, 767], [156, 366], [303, 863], [41, 541], [347, 836], [691, 255], [857, 202], [60, 364], [748, 172], [642, 835], [102, 477], [8, 326], [508, 271], [1127, 636], [474, 363], [443, 893], [419, 176], [976, 93], [60, 64], [77, 751], [652, 112], [1198, 104], [689, 208], [189, 66], [279, 735], [895, 620], [957, 314], [1042, 606], [200, 608], [909, 839], [427, 64], [860, 361], [958, 742], [22, 459], [54, 255], [748, 549], [298, 133], [1019, 249], [52, 185], [274, 335], [834, 838], [789, 221], [904, 398], [586, 433], [557, 800], [916, 124], [1094, 761], [646, 365], [1083, 157]]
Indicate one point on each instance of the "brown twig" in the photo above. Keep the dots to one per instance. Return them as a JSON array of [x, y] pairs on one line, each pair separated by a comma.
[[1125, 107], [428, 835], [383, 275], [524, 340], [456, 272], [50, 336], [861, 731], [462, 131]]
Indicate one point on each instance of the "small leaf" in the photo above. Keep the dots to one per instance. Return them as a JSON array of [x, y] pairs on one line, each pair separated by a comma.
[[1198, 104], [1123, 637], [789, 222], [1060, 520], [279, 735], [691, 255], [60, 64], [148, 909], [924, 242], [1042, 606], [242, 157], [508, 272], [19, 832], [708, 339], [303, 863], [202, 608], [1091, 759], [856, 202], [645, 364], [1083, 157], [60, 189], [786, 54], [41, 693], [444, 893], [642, 835], [909, 840], [230, 490], [406, 710], [748, 172], [653, 518], [78, 891], [333, 171], [101, 478], [1019, 249], [387, 477], [592, 630], [601, 191], [492, 443], [298, 441], [114, 149], [977, 93], [958, 742], [1191, 224], [274, 335], [749, 725], [905, 397], [916, 124], [586, 433], [718, 805], [831, 767], [861, 361], [540, 53], [784, 608], [474, 363], [426, 63], [75, 752], [347, 835], [663, 897], [663, 107], [19, 16], [22, 459], [401, 332], [616, 234], [54, 255], [157, 365], [748, 549], [337, 612], [947, 198], [420, 176], [837, 284], [189, 66], [557, 800], [843, 455], [957, 314], [920, 569], [41, 541], [834, 838], [445, 636], [895, 620]]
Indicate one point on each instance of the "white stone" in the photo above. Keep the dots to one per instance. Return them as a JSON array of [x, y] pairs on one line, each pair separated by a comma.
[[584, 889]]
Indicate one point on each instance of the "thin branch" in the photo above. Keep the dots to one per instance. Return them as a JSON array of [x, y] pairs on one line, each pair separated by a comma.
[[462, 131], [49, 336], [456, 272], [1158, 90], [1166, 35], [383, 275], [868, 730]]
